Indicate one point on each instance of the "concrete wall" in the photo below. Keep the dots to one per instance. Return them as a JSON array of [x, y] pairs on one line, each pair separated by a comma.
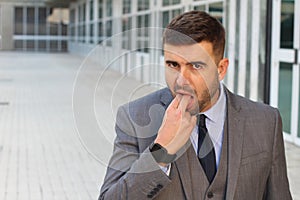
[[6, 26]]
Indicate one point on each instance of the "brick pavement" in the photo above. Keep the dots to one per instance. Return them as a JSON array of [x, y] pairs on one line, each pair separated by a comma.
[[41, 155]]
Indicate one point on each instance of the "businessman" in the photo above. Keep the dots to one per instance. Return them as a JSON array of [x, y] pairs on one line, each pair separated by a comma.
[[195, 139]]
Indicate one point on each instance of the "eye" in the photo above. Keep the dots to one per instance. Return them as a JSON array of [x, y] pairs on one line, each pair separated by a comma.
[[172, 64], [198, 65]]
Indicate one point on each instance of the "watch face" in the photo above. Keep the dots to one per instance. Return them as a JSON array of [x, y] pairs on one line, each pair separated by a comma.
[[155, 147]]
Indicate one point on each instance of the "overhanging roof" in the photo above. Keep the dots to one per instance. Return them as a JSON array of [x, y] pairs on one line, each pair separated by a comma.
[[59, 3]]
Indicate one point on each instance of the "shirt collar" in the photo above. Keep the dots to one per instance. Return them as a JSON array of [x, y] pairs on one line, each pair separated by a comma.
[[217, 111]]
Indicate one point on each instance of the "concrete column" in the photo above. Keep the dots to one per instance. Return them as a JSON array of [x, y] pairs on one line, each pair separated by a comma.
[[7, 26]]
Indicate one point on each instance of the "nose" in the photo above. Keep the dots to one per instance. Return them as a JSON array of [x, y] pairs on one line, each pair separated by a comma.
[[183, 77]]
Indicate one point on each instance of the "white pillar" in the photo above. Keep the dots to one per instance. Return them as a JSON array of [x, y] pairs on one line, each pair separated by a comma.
[[7, 27], [231, 44], [254, 68], [243, 47]]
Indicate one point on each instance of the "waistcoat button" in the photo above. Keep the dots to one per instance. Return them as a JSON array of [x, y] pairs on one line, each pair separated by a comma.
[[210, 195]]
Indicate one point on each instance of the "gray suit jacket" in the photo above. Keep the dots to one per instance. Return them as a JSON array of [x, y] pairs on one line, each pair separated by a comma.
[[256, 159]]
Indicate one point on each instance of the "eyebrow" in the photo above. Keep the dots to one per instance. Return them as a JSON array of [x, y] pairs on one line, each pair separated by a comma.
[[171, 62]]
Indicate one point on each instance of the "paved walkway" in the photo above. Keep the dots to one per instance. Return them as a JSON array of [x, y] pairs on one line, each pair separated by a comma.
[[41, 154]]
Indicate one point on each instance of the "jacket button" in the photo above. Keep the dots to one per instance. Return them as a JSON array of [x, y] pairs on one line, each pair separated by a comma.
[[210, 195], [159, 186], [149, 196]]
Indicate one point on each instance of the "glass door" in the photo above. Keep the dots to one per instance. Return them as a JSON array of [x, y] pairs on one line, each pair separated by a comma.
[[285, 65]]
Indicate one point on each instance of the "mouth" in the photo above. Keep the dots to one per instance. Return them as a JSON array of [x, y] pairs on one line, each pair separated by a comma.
[[182, 92], [191, 100]]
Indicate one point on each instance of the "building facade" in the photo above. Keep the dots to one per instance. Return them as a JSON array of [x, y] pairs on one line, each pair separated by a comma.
[[262, 44], [33, 26], [263, 41]]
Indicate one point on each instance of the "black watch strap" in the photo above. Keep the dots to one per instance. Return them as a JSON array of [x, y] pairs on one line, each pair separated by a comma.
[[160, 154]]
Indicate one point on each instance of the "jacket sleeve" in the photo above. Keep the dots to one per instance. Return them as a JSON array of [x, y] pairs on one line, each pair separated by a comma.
[[131, 174], [278, 185]]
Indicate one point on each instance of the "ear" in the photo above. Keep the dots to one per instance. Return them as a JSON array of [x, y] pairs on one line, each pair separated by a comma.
[[222, 68]]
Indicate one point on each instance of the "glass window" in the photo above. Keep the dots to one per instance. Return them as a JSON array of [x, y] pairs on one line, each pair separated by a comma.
[[165, 18], [109, 8], [64, 46], [170, 14], [100, 32], [216, 10], [53, 45], [126, 25], [143, 5], [30, 21], [83, 33], [72, 29], [83, 12], [285, 94], [64, 29], [126, 6], [19, 21], [91, 10], [108, 32], [166, 2], [287, 24], [72, 16], [143, 21], [100, 9], [200, 8], [80, 13], [53, 29], [176, 2], [42, 45], [42, 21], [170, 2], [109, 28], [30, 45], [91, 33], [176, 12], [19, 44], [79, 32]]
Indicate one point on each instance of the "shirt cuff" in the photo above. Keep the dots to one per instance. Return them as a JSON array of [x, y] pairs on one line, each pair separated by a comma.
[[166, 169]]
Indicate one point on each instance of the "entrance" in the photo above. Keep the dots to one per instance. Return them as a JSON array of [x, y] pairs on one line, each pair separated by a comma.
[[285, 66]]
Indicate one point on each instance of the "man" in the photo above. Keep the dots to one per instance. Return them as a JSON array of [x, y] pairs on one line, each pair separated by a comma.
[[195, 139]]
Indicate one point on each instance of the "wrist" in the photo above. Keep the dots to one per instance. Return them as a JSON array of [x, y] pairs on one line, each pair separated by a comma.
[[168, 146], [161, 154]]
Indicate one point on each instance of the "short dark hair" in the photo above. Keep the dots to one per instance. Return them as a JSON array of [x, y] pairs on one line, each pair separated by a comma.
[[196, 26]]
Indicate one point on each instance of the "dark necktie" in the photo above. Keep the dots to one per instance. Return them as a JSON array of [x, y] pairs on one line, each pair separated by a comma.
[[206, 150]]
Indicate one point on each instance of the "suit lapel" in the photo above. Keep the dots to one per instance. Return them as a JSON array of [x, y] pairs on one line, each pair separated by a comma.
[[235, 142], [166, 97]]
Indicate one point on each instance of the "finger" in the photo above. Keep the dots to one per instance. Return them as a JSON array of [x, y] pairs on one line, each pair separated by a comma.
[[184, 102], [175, 101], [194, 120]]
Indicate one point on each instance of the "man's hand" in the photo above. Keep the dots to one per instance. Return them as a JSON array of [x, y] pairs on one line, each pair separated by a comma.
[[177, 125]]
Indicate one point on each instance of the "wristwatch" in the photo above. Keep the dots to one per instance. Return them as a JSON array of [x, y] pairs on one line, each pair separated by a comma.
[[160, 154]]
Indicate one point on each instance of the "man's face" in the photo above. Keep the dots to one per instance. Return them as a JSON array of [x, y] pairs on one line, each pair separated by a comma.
[[191, 70]]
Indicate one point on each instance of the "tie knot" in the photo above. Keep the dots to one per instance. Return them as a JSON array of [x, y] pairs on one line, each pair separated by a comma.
[[201, 120]]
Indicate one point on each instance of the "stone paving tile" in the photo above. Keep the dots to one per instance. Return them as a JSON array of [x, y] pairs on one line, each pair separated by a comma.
[[41, 154]]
